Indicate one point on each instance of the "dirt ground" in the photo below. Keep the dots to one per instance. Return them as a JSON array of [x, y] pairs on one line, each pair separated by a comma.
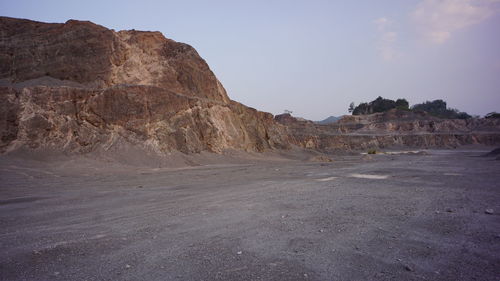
[[360, 217]]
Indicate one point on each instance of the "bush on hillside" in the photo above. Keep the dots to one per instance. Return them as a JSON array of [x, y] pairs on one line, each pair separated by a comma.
[[492, 115], [380, 105], [439, 109]]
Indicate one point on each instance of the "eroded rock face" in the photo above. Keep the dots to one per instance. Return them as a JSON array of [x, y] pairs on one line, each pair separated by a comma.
[[97, 57], [81, 120], [389, 129], [80, 87]]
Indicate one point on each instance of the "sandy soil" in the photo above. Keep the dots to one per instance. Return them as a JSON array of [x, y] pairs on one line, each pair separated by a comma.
[[391, 217]]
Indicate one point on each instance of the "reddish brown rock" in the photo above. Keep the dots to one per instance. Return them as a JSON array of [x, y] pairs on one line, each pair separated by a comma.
[[80, 87], [97, 57], [389, 129], [82, 120]]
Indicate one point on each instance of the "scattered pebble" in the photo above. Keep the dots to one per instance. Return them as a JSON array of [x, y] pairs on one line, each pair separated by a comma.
[[408, 268], [127, 266], [489, 211], [239, 252], [449, 210], [366, 157], [56, 273], [321, 230], [305, 275], [140, 186]]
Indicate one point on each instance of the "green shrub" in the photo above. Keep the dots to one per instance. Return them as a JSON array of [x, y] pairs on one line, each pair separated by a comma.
[[439, 109], [492, 115], [372, 151], [378, 105]]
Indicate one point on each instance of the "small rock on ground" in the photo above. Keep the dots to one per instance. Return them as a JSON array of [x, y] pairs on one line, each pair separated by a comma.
[[408, 268]]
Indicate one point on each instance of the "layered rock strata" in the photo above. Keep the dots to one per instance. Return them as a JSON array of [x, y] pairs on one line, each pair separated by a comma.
[[79, 87], [391, 129]]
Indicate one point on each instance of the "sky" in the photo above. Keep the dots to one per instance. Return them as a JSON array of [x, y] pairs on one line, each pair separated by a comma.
[[316, 57]]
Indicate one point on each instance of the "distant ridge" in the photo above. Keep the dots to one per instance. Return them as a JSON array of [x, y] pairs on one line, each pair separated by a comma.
[[393, 128], [329, 120]]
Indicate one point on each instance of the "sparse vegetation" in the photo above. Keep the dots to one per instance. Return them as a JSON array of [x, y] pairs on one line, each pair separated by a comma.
[[351, 107], [437, 108], [402, 104], [492, 115], [379, 105], [372, 151]]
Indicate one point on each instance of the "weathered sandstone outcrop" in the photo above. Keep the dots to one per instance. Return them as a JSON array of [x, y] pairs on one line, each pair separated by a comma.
[[79, 119], [392, 128], [97, 57], [78, 87]]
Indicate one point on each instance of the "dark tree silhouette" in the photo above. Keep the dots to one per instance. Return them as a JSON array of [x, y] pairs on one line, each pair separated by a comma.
[[439, 109], [378, 105], [351, 107]]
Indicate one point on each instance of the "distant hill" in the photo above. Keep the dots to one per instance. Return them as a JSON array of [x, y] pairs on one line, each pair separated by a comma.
[[331, 119], [397, 128]]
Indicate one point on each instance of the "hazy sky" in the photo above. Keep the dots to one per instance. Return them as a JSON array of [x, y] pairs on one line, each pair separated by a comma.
[[315, 57]]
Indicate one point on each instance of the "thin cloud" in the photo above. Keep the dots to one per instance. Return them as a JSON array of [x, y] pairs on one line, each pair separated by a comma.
[[381, 23], [437, 20], [387, 39]]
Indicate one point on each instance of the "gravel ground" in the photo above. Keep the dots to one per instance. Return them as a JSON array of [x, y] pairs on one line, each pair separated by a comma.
[[391, 217]]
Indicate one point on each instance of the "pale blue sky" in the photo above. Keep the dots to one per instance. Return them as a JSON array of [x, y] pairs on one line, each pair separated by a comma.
[[315, 57]]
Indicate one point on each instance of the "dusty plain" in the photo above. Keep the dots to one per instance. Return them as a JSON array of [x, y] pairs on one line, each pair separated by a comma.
[[269, 217]]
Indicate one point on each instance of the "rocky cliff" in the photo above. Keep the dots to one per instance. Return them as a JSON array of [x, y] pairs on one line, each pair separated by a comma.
[[390, 129], [79, 87]]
